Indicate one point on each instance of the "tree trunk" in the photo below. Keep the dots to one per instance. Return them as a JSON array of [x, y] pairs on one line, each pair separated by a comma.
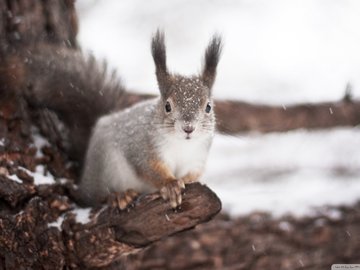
[[28, 22]]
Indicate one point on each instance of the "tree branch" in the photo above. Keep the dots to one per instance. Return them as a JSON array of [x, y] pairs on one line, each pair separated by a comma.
[[113, 233]]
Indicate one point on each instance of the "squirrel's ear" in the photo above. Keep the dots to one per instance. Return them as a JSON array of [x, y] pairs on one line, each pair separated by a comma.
[[212, 57], [158, 51]]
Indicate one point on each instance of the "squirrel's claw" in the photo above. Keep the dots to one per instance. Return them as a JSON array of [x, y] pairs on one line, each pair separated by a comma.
[[172, 191], [124, 199], [181, 183]]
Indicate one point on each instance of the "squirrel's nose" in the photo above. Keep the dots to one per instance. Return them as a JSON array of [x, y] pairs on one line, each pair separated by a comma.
[[188, 129]]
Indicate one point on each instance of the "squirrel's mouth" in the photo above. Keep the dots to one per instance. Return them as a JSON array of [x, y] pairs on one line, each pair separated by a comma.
[[188, 137]]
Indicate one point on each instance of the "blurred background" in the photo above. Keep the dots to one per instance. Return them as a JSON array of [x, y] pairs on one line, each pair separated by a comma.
[[276, 52]]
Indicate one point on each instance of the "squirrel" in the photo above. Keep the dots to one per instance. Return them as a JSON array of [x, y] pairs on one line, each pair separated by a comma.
[[158, 144]]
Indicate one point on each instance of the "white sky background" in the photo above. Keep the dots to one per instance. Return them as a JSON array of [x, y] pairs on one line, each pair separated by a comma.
[[276, 52]]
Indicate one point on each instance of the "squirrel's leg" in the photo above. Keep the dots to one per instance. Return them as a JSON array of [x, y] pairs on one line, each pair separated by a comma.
[[160, 175], [123, 199], [172, 191]]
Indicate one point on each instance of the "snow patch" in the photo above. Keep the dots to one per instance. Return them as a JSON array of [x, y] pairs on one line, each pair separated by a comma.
[[82, 215], [41, 176], [64, 181], [15, 178], [57, 223], [295, 172], [285, 226], [39, 142]]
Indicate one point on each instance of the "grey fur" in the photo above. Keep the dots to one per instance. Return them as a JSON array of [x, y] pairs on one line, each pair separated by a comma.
[[158, 50], [212, 57], [124, 144]]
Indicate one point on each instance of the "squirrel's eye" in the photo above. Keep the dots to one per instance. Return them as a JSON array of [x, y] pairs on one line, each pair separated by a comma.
[[167, 107], [208, 108]]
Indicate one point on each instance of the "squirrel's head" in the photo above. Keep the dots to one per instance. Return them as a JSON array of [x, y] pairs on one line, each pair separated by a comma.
[[187, 101]]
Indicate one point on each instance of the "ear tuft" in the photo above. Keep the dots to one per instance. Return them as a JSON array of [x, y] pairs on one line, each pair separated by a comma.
[[158, 51], [212, 57]]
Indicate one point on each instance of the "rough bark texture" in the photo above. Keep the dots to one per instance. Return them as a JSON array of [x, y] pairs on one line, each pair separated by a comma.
[[27, 22]]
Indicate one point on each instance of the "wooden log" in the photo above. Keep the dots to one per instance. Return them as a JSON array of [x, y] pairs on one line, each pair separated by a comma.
[[236, 116], [114, 233]]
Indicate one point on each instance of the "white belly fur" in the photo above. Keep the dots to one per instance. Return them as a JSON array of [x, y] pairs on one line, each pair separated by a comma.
[[184, 156]]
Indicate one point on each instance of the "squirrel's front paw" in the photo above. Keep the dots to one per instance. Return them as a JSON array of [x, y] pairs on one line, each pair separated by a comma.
[[122, 200], [172, 191]]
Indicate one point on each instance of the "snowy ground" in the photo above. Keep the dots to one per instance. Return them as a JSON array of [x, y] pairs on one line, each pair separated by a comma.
[[288, 172], [276, 52]]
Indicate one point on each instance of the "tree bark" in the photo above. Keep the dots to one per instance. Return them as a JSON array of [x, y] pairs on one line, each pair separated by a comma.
[[116, 233], [28, 22]]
